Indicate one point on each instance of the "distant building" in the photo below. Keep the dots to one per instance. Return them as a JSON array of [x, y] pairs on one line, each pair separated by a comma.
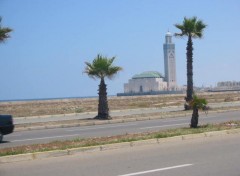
[[145, 82], [153, 82], [170, 62], [226, 86]]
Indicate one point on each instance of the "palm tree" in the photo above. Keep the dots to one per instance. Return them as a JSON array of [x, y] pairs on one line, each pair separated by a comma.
[[4, 32], [192, 28], [102, 67], [196, 104]]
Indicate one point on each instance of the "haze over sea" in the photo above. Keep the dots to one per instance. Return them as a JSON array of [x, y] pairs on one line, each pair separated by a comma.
[[59, 98]]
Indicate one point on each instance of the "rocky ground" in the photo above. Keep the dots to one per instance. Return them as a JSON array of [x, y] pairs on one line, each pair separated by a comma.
[[67, 106]]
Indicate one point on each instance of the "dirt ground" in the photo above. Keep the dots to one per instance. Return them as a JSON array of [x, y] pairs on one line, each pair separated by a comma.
[[78, 105]]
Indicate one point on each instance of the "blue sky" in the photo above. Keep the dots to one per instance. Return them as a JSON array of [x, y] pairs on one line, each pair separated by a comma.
[[44, 58]]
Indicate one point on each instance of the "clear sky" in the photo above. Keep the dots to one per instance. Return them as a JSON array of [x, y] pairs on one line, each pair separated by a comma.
[[44, 58]]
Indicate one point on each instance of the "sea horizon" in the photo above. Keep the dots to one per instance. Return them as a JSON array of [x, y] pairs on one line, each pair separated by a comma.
[[55, 98]]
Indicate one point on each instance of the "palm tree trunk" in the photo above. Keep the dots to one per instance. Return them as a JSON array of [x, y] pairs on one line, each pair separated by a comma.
[[189, 48], [194, 120], [103, 110]]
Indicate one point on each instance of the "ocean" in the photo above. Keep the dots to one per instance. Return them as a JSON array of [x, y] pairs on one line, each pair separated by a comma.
[[39, 99]]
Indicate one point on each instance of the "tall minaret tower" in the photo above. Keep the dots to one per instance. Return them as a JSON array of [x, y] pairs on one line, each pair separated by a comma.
[[170, 62]]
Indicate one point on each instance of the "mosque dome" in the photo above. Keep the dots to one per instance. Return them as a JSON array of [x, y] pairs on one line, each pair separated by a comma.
[[148, 74]]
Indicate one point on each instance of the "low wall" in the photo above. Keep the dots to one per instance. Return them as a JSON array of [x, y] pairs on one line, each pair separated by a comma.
[[150, 93]]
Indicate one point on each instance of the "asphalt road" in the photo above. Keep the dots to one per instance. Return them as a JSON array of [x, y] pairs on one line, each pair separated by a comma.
[[215, 156], [47, 135]]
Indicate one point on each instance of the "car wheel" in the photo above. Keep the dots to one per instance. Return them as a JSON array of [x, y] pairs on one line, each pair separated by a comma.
[[1, 136]]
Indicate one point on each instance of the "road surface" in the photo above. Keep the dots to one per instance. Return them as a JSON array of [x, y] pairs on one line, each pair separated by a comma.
[[47, 135], [215, 156]]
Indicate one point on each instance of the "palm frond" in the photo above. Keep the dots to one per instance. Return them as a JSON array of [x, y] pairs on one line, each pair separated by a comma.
[[110, 61], [190, 27], [200, 26], [101, 67], [112, 71], [4, 32], [197, 102]]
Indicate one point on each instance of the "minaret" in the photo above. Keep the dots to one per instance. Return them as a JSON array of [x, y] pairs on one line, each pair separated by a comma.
[[169, 62]]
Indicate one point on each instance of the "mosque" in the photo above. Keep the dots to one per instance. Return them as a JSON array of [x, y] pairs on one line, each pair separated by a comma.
[[153, 82]]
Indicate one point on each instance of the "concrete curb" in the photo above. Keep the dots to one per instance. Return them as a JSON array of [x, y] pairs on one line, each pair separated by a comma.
[[73, 151], [28, 127]]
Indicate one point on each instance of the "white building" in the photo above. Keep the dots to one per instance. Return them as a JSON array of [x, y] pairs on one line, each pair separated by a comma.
[[153, 81], [227, 86], [145, 82]]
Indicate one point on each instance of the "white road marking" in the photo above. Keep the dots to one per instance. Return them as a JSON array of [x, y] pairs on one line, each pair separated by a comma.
[[100, 127], [32, 139], [165, 126], [157, 170]]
